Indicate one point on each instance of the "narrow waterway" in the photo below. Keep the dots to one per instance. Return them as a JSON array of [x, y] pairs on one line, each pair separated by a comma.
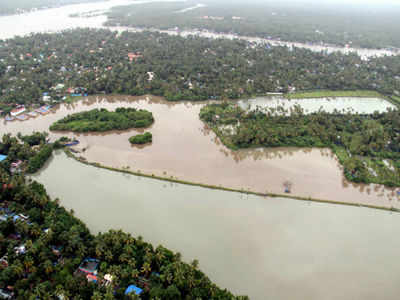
[[183, 147], [267, 248]]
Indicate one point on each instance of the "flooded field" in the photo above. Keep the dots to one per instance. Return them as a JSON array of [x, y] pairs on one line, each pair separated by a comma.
[[183, 147], [343, 104], [58, 19], [267, 248]]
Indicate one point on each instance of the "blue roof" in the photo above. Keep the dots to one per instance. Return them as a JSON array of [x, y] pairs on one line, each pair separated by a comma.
[[133, 288], [2, 157]]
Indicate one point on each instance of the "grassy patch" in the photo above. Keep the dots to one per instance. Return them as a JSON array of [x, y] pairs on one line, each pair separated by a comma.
[[328, 93]]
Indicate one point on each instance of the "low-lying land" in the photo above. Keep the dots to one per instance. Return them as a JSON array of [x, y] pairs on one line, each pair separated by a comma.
[[366, 145], [140, 139], [287, 20], [103, 120], [46, 252]]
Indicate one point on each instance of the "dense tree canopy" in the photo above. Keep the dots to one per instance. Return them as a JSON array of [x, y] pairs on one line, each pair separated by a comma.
[[360, 25], [104, 120], [178, 68], [144, 138]]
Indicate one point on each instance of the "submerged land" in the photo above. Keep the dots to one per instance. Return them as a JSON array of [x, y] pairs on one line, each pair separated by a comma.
[[239, 118]]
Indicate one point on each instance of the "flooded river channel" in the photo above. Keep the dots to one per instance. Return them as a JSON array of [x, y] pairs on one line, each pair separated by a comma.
[[183, 147], [58, 19], [267, 248]]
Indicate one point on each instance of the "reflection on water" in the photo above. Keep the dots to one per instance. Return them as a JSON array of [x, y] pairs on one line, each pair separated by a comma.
[[265, 248], [183, 147], [353, 105]]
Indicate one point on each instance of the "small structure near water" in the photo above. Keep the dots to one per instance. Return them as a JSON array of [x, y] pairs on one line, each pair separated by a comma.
[[288, 186]]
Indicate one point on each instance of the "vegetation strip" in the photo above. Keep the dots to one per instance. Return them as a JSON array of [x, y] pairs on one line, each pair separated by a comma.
[[214, 187], [331, 93]]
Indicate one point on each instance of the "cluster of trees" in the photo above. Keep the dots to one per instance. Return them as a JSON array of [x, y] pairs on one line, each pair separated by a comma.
[[104, 120], [33, 158], [190, 68], [42, 248], [17, 6], [359, 25], [362, 142], [140, 139]]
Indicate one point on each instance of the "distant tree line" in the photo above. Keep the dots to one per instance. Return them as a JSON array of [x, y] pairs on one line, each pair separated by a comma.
[[304, 21]]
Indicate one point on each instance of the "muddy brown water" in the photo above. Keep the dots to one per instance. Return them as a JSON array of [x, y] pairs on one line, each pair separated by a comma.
[[183, 147], [266, 248]]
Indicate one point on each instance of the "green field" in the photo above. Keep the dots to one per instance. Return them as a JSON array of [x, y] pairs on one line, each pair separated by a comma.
[[328, 93]]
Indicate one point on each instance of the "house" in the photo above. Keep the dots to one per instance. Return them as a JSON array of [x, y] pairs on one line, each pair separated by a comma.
[[134, 56], [133, 289], [4, 261], [88, 266], [108, 279], [20, 250], [91, 278], [16, 167], [4, 294], [17, 111]]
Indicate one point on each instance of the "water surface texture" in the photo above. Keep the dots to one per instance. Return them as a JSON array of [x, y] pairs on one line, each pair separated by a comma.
[[264, 247], [184, 147]]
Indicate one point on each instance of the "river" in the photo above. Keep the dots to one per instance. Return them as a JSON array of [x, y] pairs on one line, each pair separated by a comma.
[[267, 248], [58, 19], [183, 147]]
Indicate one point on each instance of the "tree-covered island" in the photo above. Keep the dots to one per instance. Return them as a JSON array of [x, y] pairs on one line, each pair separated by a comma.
[[100, 120], [141, 139], [368, 146]]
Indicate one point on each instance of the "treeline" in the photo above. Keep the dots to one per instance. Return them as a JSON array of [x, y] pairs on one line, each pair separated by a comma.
[[42, 245], [368, 146], [104, 120], [177, 68], [359, 25]]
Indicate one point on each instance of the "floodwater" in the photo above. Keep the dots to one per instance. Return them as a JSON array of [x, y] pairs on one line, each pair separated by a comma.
[[264, 247], [58, 19], [358, 105], [185, 148]]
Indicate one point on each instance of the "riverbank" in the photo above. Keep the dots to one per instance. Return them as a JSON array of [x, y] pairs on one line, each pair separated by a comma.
[[214, 187]]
